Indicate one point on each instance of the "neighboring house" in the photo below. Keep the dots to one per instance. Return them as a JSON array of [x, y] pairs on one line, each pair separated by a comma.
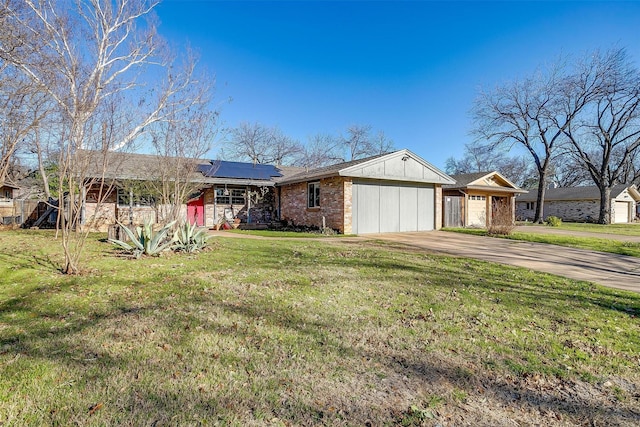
[[6, 200], [580, 204], [398, 191], [477, 198], [393, 192]]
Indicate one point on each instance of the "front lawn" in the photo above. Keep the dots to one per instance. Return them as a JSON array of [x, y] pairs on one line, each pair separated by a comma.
[[305, 332], [632, 229], [588, 243], [285, 234]]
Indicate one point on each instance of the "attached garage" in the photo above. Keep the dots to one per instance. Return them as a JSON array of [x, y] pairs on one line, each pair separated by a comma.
[[395, 192], [387, 207]]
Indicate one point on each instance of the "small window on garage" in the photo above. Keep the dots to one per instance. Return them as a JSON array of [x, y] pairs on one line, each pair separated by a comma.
[[478, 197], [313, 193], [531, 205]]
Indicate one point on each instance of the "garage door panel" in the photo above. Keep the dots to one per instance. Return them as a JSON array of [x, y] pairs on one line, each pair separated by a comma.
[[368, 208], [390, 199], [408, 208], [426, 213]]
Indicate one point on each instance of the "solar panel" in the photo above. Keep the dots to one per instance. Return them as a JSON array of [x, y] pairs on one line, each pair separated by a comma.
[[224, 169]]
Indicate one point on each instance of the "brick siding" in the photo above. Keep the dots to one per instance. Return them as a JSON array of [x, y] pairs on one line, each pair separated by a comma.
[[335, 204], [580, 211]]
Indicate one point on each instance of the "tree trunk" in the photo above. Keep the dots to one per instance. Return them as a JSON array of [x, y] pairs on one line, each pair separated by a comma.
[[542, 186], [604, 216]]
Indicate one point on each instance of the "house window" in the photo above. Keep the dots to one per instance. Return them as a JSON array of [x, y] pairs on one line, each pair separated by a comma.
[[531, 205], [313, 194], [135, 198], [232, 196], [7, 194]]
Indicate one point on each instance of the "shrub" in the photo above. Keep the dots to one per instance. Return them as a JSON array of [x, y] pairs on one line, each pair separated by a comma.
[[553, 221], [502, 219], [146, 241], [189, 238]]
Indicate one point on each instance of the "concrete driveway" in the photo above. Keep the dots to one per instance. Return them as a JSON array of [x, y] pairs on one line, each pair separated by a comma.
[[616, 271]]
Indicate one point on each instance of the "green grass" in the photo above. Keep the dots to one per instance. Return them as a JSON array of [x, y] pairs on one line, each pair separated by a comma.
[[589, 243], [303, 332], [632, 229], [284, 234]]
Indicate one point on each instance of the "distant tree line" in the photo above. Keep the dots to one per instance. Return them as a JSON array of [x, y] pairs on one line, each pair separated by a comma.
[[577, 122], [258, 143]]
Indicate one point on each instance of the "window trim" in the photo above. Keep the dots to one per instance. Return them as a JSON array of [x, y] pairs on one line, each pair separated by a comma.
[[236, 196], [313, 194], [139, 200]]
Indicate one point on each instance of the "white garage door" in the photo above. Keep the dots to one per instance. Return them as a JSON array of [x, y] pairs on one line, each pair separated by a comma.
[[621, 212], [384, 207]]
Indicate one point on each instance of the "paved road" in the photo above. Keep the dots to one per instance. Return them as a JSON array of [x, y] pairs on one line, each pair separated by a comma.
[[616, 271]]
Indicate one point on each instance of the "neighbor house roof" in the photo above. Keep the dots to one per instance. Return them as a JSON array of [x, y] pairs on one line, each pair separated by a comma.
[[375, 167], [578, 193], [490, 181]]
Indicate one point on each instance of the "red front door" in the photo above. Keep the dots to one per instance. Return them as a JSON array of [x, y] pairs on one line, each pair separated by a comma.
[[195, 211]]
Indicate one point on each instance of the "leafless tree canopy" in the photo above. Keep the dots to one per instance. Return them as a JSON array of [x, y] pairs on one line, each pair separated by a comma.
[[605, 136], [532, 114], [253, 142], [105, 79], [486, 158]]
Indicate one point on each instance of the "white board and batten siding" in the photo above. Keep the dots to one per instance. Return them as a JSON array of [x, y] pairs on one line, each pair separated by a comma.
[[394, 193]]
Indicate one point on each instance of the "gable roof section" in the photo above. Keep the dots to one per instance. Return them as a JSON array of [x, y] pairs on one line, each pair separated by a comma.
[[402, 165], [490, 181], [579, 193]]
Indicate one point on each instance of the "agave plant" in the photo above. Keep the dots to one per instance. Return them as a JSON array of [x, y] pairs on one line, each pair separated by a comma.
[[146, 241], [189, 238]]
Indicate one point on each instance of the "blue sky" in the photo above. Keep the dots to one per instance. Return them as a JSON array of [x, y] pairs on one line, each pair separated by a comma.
[[409, 68]]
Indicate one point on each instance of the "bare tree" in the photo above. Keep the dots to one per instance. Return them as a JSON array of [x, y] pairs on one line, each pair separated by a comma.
[[22, 109], [486, 158], [89, 57], [357, 142], [320, 150], [532, 113], [254, 142], [567, 171], [606, 137], [185, 136], [380, 144]]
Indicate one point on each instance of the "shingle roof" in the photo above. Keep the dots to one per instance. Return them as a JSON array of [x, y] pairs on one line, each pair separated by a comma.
[[464, 179], [306, 175], [134, 166], [571, 193]]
